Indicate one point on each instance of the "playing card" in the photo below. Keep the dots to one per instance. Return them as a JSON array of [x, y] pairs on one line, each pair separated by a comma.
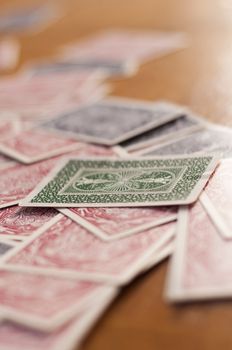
[[125, 182], [19, 223], [68, 336], [27, 93], [35, 144], [84, 87], [115, 223], [43, 302], [108, 67], [9, 53], [201, 265], [185, 124], [39, 114], [53, 251], [217, 198], [213, 139], [126, 45], [43, 93], [114, 120]]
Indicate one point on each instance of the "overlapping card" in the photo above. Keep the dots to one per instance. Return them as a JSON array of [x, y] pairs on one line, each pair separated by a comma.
[[122, 183]]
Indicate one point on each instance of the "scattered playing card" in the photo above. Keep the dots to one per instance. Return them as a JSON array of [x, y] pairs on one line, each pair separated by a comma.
[[123, 182], [217, 198], [201, 265], [92, 94], [35, 144], [115, 223], [53, 250], [213, 139], [17, 222], [43, 93], [185, 124], [16, 337], [43, 302], [114, 120], [126, 45]]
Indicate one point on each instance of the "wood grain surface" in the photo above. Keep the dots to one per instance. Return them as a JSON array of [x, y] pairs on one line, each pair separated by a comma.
[[200, 77]]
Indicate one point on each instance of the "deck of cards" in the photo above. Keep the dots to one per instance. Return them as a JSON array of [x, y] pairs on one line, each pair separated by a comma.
[[96, 190]]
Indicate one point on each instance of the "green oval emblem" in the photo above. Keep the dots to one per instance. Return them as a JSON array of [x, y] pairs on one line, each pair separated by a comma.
[[123, 180]]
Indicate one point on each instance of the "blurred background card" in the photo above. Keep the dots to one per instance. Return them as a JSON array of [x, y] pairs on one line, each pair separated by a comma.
[[29, 18]]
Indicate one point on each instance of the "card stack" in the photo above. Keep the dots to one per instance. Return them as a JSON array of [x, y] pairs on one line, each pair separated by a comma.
[[94, 190]]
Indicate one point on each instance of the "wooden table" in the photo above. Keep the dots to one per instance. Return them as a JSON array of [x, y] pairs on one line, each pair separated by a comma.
[[200, 77]]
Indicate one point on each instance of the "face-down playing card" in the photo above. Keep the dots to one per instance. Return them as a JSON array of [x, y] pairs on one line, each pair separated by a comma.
[[125, 182], [43, 302], [52, 250], [14, 336], [114, 120], [201, 264], [217, 198], [33, 145]]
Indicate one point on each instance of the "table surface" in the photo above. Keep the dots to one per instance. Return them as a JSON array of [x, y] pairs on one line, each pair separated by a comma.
[[200, 77]]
